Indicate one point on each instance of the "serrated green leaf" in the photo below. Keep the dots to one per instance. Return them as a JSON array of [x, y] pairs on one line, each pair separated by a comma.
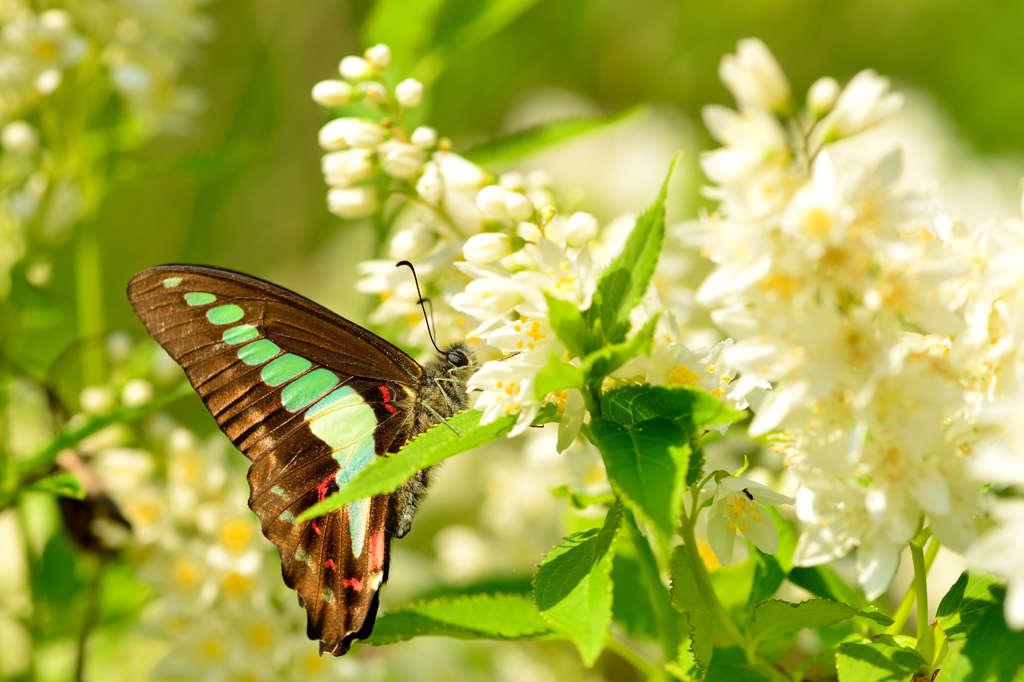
[[688, 598], [557, 375], [387, 474], [599, 364], [625, 280], [646, 465], [966, 602], [777, 618], [631, 404], [573, 587], [730, 665], [538, 138], [876, 662], [570, 327], [993, 652], [497, 616], [61, 484]]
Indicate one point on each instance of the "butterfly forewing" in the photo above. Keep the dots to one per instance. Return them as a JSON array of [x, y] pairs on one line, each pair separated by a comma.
[[311, 399]]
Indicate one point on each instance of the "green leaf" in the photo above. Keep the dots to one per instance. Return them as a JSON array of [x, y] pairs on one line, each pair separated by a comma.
[[688, 598], [625, 280], [993, 652], [768, 576], [730, 665], [970, 597], [557, 375], [777, 618], [606, 360], [522, 143], [631, 605], [876, 662], [62, 484], [573, 587], [646, 465], [496, 616], [387, 474], [570, 328], [631, 404], [406, 26], [822, 581]]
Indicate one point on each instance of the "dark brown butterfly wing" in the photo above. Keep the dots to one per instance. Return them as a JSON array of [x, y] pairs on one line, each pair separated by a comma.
[[310, 398]]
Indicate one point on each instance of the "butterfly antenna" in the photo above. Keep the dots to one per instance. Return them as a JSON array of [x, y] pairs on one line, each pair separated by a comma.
[[429, 320]]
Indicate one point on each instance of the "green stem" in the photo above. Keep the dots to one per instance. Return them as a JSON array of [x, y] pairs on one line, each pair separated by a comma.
[[660, 601], [89, 620], [708, 590], [899, 618], [921, 588], [89, 292], [633, 658]]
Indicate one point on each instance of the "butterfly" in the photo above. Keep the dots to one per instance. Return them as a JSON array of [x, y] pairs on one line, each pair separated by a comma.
[[311, 399]]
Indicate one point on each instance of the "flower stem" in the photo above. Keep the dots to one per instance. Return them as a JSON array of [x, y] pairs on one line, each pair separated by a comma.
[[657, 593], [900, 617], [633, 658]]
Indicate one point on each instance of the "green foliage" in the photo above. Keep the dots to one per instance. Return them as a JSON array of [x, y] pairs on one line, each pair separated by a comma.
[[876, 662], [777, 618], [688, 598], [556, 376], [522, 143], [970, 598], [61, 484], [606, 360], [573, 587], [482, 616], [993, 652], [387, 474], [631, 604]]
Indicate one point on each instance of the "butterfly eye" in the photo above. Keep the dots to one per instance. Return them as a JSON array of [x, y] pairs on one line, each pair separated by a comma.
[[457, 358]]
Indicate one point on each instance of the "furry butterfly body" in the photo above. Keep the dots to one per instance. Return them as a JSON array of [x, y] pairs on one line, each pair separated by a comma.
[[311, 399]]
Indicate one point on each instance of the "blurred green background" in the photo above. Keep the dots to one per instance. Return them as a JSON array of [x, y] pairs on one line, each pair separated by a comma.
[[244, 189]]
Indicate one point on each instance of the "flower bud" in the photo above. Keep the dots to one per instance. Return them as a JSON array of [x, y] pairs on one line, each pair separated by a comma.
[[412, 243], [353, 202], [379, 55], [864, 103], [754, 77], [430, 186], [373, 91], [136, 392], [547, 214], [580, 229], [355, 68], [351, 132], [409, 92], [424, 137], [512, 181], [96, 400], [400, 159], [18, 137], [491, 201], [332, 93], [519, 207], [822, 96], [348, 167], [489, 247]]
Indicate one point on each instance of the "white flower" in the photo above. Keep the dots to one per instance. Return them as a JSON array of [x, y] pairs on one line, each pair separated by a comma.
[[580, 229], [488, 299], [424, 137], [491, 202], [507, 388], [355, 68], [409, 92], [136, 392], [1001, 552], [345, 168], [96, 400], [487, 247], [332, 93], [822, 95], [754, 77], [519, 207], [412, 243], [373, 91], [400, 159], [354, 202], [351, 132], [864, 103], [735, 507], [531, 335], [379, 55]]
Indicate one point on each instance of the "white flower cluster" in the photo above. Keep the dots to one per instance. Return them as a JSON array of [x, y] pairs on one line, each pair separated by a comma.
[[883, 326]]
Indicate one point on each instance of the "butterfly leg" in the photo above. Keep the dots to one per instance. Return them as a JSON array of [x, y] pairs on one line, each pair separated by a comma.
[[406, 501], [440, 419]]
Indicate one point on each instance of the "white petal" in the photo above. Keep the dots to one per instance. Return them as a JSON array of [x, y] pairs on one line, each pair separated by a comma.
[[763, 534], [720, 536], [876, 567]]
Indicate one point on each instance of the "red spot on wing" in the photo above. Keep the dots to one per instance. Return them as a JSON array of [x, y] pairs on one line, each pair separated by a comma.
[[385, 393], [376, 559], [330, 564], [321, 490], [315, 527], [354, 584]]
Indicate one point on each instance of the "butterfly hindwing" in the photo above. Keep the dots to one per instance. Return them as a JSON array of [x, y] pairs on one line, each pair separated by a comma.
[[310, 398]]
